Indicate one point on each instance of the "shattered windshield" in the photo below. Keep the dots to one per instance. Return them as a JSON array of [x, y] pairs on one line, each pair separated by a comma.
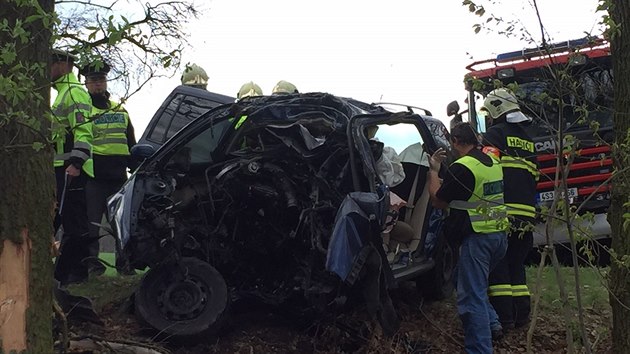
[[199, 149]]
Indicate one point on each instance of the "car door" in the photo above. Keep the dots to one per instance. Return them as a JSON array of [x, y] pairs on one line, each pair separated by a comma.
[[395, 150]]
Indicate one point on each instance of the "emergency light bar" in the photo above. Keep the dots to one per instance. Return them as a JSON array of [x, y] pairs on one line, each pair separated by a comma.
[[551, 48]]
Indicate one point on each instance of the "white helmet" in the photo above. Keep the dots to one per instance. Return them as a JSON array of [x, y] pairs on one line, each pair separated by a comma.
[[284, 87], [249, 89], [195, 76], [501, 102]]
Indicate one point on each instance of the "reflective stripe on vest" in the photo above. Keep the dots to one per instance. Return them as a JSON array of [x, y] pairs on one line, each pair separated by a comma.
[[110, 131], [64, 111], [240, 121], [517, 162], [521, 209], [500, 290], [485, 205], [520, 290]]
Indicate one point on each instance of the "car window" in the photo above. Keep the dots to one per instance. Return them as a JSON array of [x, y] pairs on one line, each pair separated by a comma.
[[205, 143], [398, 136], [158, 133], [190, 108]]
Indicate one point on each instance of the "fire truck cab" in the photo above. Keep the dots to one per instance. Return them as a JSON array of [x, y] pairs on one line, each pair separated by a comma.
[[578, 74]]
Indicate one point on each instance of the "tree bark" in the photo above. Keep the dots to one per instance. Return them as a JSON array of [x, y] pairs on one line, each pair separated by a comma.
[[619, 274], [26, 204]]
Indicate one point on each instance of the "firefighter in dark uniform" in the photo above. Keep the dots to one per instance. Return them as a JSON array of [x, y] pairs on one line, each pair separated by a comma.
[[507, 139], [111, 144], [473, 191], [72, 136]]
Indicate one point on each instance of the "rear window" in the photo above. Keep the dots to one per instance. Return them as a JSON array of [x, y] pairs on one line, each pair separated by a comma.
[[191, 108], [158, 134], [179, 112]]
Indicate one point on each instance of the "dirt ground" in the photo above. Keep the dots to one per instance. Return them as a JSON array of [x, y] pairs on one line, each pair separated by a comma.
[[427, 327]]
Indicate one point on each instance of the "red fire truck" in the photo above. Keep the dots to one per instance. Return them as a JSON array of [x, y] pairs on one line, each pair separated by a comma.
[[586, 112]]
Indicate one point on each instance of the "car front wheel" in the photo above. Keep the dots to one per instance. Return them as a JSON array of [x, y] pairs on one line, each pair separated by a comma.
[[184, 299]]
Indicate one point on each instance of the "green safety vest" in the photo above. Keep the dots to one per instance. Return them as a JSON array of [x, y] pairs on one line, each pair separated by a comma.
[[110, 130], [72, 131], [485, 205]]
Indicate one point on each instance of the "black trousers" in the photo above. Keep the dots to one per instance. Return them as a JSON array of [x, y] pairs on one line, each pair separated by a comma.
[[69, 266], [97, 191], [508, 292]]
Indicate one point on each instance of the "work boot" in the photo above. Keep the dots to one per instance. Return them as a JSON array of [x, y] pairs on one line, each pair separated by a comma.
[[497, 333], [507, 326], [521, 323], [96, 268]]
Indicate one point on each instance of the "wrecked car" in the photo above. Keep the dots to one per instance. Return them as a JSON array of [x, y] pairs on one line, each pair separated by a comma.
[[301, 201]]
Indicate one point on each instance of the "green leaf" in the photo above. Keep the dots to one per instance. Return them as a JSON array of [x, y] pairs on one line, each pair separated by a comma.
[[33, 18], [37, 146], [8, 56]]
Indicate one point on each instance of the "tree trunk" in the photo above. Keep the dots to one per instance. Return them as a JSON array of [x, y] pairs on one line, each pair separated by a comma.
[[26, 204], [619, 273]]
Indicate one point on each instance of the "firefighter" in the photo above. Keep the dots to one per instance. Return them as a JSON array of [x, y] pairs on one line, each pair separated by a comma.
[[283, 88], [113, 137], [249, 89], [72, 136], [507, 139], [195, 76], [473, 191]]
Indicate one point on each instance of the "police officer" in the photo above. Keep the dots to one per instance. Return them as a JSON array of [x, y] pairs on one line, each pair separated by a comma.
[[283, 88], [195, 76], [113, 137], [473, 190], [72, 135], [507, 139]]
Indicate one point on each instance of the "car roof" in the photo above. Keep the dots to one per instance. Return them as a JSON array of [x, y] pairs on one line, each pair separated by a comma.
[[262, 110], [193, 91]]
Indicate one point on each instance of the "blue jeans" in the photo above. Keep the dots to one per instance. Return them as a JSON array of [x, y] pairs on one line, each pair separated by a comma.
[[479, 254]]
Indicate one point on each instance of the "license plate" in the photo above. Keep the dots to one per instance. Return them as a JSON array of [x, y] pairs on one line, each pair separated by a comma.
[[549, 196]]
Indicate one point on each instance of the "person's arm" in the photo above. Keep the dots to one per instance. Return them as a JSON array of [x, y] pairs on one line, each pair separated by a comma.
[[79, 103], [435, 183], [131, 135], [132, 162]]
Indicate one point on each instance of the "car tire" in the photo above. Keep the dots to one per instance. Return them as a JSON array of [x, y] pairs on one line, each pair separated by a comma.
[[439, 283], [183, 300]]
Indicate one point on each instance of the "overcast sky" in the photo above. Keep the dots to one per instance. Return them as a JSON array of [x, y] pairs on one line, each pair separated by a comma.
[[411, 52]]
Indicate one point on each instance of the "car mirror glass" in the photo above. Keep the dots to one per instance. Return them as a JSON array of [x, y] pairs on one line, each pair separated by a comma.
[[452, 108], [142, 151]]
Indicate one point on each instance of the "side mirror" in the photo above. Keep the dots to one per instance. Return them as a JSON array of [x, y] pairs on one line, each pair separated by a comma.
[[452, 108], [142, 151]]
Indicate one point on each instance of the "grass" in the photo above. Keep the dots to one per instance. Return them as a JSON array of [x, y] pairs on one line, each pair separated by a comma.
[[594, 293], [109, 287], [110, 258]]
